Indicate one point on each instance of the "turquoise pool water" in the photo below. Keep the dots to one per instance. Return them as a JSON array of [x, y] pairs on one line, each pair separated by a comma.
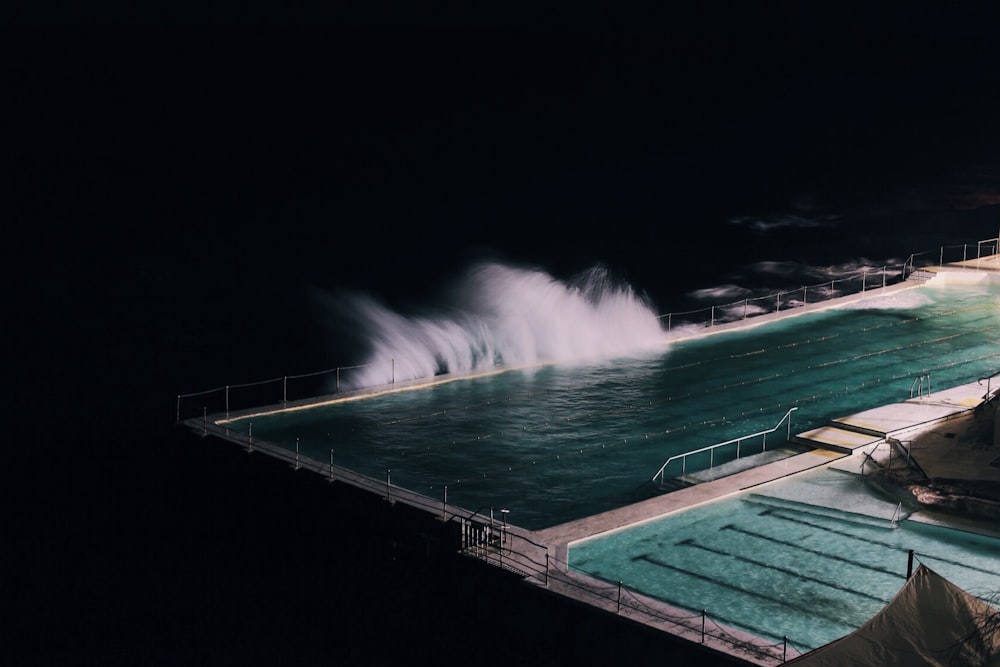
[[556, 443], [810, 559]]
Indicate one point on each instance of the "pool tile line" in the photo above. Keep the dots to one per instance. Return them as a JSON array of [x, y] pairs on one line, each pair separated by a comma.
[[777, 568], [814, 552]]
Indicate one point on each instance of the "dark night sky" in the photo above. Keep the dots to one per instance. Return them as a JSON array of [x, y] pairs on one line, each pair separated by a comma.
[[378, 149], [247, 163], [179, 182], [350, 155]]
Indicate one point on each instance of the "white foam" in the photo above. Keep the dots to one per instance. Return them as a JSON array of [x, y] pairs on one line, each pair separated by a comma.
[[505, 316]]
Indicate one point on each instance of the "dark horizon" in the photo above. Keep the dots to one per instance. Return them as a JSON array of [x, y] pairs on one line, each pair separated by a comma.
[[185, 193]]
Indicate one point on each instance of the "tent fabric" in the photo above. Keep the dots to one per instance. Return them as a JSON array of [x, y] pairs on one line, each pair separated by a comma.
[[930, 621]]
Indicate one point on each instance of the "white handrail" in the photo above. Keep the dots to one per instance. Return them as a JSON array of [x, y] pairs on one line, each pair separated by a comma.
[[683, 457]]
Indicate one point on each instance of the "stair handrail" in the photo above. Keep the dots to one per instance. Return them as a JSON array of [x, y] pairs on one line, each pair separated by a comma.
[[918, 382], [988, 396], [659, 473]]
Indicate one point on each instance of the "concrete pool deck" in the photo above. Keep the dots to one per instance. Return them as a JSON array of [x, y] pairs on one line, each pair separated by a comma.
[[843, 437]]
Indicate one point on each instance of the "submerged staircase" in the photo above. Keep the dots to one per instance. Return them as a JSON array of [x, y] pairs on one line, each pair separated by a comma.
[[731, 466], [920, 276], [737, 465]]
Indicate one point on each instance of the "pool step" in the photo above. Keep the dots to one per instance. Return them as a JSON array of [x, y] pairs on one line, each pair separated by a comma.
[[675, 484], [920, 276], [741, 464], [836, 438]]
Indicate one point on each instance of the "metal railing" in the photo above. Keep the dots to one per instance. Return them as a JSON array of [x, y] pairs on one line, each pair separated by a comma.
[[497, 542], [918, 385], [990, 393], [858, 282], [289, 389], [992, 245], [773, 302], [281, 391], [737, 441]]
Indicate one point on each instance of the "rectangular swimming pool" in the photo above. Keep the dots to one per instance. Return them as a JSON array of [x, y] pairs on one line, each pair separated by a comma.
[[556, 443]]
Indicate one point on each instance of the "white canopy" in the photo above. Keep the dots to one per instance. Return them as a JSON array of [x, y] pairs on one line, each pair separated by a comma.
[[930, 621]]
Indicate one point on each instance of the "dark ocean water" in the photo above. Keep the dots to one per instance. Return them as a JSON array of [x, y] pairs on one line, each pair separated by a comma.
[[191, 201]]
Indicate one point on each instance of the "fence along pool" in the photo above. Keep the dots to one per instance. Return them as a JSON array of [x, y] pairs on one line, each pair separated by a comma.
[[555, 443]]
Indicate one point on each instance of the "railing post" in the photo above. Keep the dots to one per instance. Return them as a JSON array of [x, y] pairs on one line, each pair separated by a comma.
[[227, 401], [444, 503], [702, 626], [746, 302], [296, 453], [661, 473], [204, 420], [178, 409], [331, 465], [619, 596], [250, 438], [284, 391]]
